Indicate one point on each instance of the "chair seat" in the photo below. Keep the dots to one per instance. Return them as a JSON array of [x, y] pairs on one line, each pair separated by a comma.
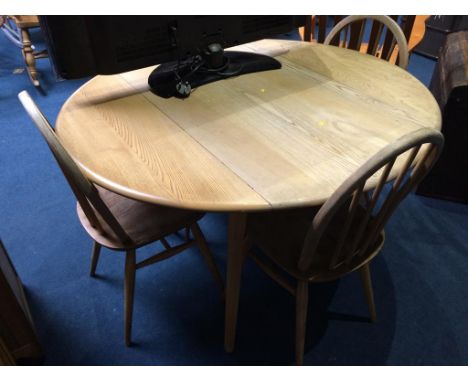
[[281, 234], [143, 222]]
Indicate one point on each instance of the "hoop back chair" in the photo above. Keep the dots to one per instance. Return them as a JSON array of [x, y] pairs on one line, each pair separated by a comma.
[[120, 223], [343, 235], [348, 32]]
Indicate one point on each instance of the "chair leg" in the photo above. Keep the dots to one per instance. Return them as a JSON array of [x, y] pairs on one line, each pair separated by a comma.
[[184, 233], [130, 269], [205, 251], [302, 296], [95, 258], [364, 272], [28, 55], [236, 235], [165, 243]]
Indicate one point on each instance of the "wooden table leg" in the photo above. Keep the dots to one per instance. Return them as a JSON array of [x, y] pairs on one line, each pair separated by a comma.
[[236, 234]]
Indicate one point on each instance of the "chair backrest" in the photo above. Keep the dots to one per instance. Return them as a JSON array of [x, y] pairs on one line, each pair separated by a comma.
[[362, 216], [385, 34], [85, 192], [315, 28]]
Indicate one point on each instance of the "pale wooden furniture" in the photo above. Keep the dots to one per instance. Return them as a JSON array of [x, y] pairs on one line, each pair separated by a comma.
[[346, 233], [16, 28], [262, 141], [18, 339], [412, 26], [120, 223], [383, 27]]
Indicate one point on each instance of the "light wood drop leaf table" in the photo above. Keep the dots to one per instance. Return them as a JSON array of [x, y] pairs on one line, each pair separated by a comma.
[[262, 141]]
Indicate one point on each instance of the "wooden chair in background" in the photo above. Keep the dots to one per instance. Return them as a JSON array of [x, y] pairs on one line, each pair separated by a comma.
[[16, 29], [380, 43], [120, 223], [385, 35], [326, 243], [315, 28]]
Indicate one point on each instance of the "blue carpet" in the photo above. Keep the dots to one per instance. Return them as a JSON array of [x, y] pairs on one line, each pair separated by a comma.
[[420, 278]]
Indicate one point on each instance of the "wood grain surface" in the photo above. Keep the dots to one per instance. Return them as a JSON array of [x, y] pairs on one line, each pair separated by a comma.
[[267, 140]]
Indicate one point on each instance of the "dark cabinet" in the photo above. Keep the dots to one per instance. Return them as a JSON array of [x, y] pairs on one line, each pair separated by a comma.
[[449, 177], [437, 29]]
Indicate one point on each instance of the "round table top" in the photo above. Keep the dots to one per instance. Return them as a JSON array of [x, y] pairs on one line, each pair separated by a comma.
[[274, 139]]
